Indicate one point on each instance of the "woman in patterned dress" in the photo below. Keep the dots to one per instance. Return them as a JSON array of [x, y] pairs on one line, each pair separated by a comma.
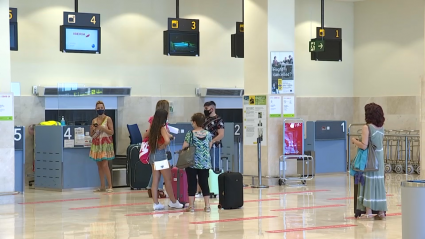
[[102, 148], [372, 195], [202, 140]]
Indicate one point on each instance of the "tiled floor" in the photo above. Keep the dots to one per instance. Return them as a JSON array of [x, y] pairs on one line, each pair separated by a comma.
[[322, 209]]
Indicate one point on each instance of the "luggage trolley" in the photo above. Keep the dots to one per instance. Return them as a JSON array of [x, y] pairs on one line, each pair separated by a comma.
[[293, 137]]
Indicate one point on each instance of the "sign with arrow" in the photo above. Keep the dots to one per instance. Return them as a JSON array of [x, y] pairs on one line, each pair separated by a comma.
[[316, 45]]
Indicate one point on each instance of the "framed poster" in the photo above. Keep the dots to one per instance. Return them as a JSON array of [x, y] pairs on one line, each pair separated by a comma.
[[282, 75]]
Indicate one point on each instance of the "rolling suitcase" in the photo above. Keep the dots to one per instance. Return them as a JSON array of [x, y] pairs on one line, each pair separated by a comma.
[[230, 190], [179, 182], [138, 174], [358, 213], [213, 175]]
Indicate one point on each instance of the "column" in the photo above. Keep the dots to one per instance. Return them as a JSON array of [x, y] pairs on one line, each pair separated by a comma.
[[269, 26], [7, 144]]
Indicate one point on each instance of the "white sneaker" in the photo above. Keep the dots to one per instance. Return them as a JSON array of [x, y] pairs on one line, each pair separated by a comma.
[[176, 205], [198, 195], [158, 206]]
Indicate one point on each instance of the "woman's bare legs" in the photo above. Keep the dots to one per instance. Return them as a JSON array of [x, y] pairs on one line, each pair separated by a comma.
[[107, 173], [101, 174], [155, 181], [166, 173]]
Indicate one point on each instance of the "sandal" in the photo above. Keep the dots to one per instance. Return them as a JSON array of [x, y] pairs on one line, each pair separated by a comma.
[[161, 194], [366, 216], [190, 209], [109, 190], [207, 209], [98, 190], [379, 217]]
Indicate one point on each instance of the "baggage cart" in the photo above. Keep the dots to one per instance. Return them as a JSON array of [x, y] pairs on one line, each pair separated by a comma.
[[307, 170]]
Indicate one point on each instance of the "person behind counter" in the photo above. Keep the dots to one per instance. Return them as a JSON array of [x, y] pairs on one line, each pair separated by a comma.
[[102, 148]]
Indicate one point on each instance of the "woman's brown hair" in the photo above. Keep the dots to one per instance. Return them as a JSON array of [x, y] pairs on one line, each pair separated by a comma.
[[99, 102], [163, 104], [199, 119], [159, 120], [374, 114]]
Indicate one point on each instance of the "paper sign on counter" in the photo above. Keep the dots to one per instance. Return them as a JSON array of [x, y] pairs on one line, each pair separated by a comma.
[[68, 143]]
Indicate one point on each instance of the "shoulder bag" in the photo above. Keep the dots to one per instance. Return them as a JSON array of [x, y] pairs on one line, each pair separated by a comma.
[[187, 155]]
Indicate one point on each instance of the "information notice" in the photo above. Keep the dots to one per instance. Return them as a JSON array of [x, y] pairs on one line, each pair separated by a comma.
[[255, 119]]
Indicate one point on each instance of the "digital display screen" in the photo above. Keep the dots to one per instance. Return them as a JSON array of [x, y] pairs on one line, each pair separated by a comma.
[[187, 43], [81, 39], [13, 31]]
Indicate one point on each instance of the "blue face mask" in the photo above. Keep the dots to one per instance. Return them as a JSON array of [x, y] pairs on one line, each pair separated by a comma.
[[100, 112]]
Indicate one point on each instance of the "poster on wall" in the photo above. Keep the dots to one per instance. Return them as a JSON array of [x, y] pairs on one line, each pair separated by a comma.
[[288, 106], [275, 106], [282, 66], [6, 107], [255, 119]]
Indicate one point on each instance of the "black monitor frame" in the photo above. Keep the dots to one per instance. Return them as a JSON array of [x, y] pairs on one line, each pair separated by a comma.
[[63, 39], [166, 43]]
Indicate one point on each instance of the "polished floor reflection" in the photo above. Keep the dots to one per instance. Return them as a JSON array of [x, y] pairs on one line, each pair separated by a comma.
[[321, 209]]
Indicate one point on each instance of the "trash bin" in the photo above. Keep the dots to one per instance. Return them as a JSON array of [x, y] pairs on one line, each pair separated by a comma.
[[413, 209]]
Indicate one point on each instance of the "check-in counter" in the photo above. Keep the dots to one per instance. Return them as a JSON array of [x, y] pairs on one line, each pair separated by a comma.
[[62, 158], [327, 140], [19, 158]]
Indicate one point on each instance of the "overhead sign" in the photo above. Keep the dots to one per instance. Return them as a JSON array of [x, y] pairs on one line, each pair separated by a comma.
[[13, 15], [81, 19], [329, 33], [316, 45], [13, 28], [180, 24], [239, 27]]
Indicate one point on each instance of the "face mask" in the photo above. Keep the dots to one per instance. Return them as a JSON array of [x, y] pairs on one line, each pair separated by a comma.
[[100, 112], [207, 113]]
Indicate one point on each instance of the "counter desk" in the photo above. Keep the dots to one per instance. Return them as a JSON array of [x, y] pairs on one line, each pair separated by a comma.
[[62, 158]]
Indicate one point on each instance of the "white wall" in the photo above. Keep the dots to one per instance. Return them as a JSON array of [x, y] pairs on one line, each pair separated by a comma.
[[131, 47], [389, 47], [330, 79]]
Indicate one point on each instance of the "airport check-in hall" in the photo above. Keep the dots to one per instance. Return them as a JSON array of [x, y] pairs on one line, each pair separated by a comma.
[[212, 119]]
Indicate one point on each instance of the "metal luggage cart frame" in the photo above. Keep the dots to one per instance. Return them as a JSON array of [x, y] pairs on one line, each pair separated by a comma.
[[293, 148], [304, 177]]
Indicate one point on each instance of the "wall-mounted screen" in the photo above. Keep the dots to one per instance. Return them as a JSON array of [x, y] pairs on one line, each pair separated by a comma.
[[237, 45], [13, 28], [177, 43], [80, 39]]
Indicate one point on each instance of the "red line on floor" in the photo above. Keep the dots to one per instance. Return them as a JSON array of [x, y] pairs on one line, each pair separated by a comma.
[[335, 199], [63, 200], [388, 215], [263, 200], [233, 219], [255, 200], [295, 192], [141, 191], [159, 212], [311, 228], [302, 208], [114, 205]]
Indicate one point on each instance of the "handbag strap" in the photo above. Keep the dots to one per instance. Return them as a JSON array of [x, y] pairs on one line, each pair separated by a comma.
[[369, 143], [191, 138]]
